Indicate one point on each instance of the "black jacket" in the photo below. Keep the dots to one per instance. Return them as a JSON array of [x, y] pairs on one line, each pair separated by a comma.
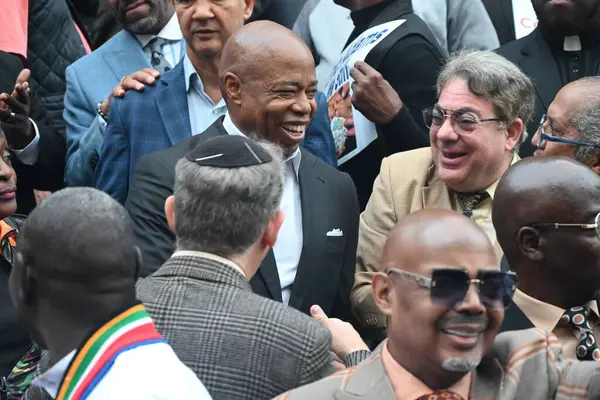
[[411, 66], [53, 44], [326, 268], [14, 340], [48, 172], [501, 14]]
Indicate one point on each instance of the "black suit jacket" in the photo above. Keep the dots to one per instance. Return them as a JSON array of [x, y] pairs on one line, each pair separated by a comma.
[[326, 269], [48, 172], [501, 14], [533, 55]]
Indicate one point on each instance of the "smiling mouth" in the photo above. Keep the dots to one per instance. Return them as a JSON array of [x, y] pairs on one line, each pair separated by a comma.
[[461, 333], [294, 129]]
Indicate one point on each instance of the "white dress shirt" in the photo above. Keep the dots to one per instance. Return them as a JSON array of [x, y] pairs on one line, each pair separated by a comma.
[[175, 49], [288, 247], [147, 372], [203, 111]]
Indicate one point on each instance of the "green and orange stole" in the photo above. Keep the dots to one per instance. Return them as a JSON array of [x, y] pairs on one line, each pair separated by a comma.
[[130, 329]]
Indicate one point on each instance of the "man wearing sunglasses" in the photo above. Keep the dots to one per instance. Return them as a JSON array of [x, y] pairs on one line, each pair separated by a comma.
[[546, 214], [475, 130], [572, 126], [445, 297]]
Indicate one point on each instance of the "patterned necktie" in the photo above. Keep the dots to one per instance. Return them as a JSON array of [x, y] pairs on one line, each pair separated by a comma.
[[468, 201], [578, 318], [153, 52], [441, 395]]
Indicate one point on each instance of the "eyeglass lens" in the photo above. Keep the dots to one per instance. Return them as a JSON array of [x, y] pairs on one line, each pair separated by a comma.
[[461, 121], [449, 288]]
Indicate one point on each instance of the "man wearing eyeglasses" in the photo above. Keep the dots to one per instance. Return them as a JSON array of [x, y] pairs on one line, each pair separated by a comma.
[[572, 126], [445, 297], [476, 128], [546, 214]]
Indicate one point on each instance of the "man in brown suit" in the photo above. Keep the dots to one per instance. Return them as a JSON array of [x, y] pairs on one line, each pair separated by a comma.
[[476, 128], [442, 330]]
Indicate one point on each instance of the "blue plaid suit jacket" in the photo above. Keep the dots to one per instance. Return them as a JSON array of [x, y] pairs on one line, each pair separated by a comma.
[[158, 118]]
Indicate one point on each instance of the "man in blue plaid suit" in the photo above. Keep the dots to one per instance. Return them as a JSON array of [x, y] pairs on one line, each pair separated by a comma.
[[186, 100]]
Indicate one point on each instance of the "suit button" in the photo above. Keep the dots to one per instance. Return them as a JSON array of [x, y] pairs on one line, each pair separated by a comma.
[[94, 160]]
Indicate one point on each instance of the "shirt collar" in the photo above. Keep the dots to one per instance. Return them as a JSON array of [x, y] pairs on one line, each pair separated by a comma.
[[408, 386], [492, 188], [170, 31], [231, 129], [190, 73], [214, 257], [51, 379], [543, 315]]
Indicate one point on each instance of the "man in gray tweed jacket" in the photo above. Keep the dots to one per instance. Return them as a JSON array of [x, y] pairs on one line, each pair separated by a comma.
[[225, 215]]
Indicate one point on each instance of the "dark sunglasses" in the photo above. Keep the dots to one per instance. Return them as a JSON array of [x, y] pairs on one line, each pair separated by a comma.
[[449, 286]]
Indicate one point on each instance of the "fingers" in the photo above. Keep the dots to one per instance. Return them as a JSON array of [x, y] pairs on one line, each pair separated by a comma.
[[318, 313], [13, 104], [5, 114], [23, 76]]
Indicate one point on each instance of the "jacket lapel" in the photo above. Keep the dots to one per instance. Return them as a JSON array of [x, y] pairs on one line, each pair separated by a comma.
[[314, 220], [368, 381], [270, 274], [487, 379], [435, 193], [172, 105], [126, 57], [547, 80]]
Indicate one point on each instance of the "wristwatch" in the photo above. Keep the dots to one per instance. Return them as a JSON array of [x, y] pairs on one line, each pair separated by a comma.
[[100, 112]]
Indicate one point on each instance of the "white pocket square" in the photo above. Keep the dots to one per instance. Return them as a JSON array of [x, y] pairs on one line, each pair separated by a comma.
[[335, 232]]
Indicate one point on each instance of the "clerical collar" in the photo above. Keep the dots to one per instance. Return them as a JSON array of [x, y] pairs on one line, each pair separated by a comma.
[[364, 16], [583, 41]]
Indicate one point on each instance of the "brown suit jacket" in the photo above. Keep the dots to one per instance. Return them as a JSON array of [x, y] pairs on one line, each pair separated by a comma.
[[520, 365], [407, 182]]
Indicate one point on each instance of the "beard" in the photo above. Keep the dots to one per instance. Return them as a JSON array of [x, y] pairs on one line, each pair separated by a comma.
[[159, 13], [462, 364]]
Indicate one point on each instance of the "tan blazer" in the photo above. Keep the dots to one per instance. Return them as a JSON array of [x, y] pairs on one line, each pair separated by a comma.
[[407, 182], [521, 365]]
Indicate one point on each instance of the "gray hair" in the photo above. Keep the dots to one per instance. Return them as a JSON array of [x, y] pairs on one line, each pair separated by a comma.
[[493, 77], [224, 211], [587, 120]]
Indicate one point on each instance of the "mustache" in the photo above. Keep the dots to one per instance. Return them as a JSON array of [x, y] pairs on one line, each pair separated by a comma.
[[464, 319]]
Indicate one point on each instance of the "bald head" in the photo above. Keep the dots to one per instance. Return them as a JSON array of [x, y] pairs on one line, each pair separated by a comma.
[[251, 51], [267, 78], [542, 189], [436, 237]]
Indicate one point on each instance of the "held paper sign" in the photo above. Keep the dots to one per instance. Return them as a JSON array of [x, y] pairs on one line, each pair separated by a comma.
[[352, 132]]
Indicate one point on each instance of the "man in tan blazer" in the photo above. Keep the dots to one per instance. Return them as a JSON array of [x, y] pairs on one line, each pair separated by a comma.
[[445, 297], [475, 131]]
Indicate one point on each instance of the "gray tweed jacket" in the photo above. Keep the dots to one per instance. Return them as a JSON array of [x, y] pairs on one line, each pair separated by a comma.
[[241, 345]]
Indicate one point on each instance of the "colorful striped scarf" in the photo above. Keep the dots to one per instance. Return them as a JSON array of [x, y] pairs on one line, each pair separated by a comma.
[[130, 329]]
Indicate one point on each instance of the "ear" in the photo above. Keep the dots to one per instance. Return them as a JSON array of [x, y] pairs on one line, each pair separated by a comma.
[[138, 262], [383, 292], [170, 212], [270, 236], [232, 85], [21, 283], [249, 7], [595, 163], [529, 240], [514, 132]]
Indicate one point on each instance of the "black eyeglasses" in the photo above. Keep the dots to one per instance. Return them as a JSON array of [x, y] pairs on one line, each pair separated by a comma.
[[463, 122], [547, 137], [556, 225], [449, 287]]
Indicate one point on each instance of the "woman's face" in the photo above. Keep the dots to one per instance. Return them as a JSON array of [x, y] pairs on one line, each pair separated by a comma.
[[8, 181]]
